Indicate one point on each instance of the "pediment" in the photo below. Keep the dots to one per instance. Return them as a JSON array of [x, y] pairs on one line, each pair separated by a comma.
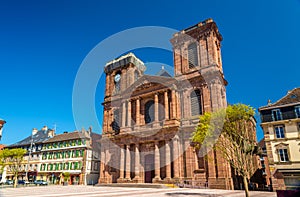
[[150, 83], [281, 145]]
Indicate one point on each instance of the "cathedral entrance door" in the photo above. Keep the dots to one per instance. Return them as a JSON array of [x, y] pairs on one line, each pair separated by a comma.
[[149, 168]]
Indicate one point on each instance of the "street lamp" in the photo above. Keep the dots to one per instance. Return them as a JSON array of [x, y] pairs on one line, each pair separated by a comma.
[[2, 122], [29, 155]]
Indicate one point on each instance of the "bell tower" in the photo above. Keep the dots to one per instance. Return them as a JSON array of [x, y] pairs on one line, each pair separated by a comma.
[[197, 47], [197, 59], [198, 69], [121, 73]]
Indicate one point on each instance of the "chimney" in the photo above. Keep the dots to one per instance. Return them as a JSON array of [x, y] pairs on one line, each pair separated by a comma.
[[50, 133], [45, 128], [34, 131]]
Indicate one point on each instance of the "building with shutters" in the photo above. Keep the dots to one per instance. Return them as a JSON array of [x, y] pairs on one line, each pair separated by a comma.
[[281, 126], [49, 155], [75, 152], [148, 119]]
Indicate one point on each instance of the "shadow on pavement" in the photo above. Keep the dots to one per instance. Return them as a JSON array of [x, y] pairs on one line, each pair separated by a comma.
[[190, 194]]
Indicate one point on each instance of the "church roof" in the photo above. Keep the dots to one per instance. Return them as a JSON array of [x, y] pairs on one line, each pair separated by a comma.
[[292, 97], [163, 73], [68, 136]]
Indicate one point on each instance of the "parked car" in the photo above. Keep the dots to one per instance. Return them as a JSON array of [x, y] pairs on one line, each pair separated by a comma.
[[40, 182], [23, 182], [9, 182]]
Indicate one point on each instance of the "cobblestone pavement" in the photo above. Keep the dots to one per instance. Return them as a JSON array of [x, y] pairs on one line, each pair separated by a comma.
[[90, 191]]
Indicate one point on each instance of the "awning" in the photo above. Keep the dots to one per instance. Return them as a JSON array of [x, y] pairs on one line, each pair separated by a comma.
[[286, 172]]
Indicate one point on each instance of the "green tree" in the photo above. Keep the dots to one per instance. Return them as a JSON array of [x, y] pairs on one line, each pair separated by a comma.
[[67, 176], [13, 158], [236, 142]]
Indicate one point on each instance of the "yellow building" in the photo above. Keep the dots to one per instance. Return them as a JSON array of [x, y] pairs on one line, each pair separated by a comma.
[[33, 145], [281, 126]]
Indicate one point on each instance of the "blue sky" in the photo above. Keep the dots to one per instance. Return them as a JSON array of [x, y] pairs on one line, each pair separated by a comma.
[[43, 43]]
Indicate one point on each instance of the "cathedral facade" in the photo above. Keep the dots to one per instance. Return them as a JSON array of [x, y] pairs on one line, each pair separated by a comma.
[[148, 119]]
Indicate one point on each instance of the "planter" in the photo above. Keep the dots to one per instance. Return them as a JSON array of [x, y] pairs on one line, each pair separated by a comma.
[[66, 183]]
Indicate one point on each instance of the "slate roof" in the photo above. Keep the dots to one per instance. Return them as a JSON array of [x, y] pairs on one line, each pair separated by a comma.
[[39, 137], [163, 73], [291, 97], [68, 136]]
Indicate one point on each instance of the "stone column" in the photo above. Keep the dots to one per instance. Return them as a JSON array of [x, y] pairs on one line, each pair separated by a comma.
[[156, 162], [212, 180], [176, 165], [166, 105], [102, 167], [168, 161], [155, 107], [122, 157], [173, 106], [129, 113], [123, 114], [137, 112], [137, 162], [127, 174]]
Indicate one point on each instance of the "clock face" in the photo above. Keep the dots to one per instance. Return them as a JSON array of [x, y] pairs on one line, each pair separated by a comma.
[[117, 77]]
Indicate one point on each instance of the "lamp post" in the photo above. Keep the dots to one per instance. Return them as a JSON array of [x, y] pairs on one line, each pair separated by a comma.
[[2, 122], [29, 156]]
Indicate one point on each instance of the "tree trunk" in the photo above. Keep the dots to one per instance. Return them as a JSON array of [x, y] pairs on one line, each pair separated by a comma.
[[15, 182], [246, 186]]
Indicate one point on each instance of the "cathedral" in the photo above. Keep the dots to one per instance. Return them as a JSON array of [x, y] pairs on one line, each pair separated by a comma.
[[148, 119]]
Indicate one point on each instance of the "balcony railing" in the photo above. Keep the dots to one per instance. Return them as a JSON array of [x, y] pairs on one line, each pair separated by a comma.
[[285, 116]]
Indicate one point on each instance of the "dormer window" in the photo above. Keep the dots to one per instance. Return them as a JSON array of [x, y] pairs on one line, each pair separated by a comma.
[[276, 115]]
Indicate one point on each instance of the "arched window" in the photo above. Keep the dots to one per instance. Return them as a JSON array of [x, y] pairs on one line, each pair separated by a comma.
[[116, 122], [196, 103], [192, 55], [149, 112]]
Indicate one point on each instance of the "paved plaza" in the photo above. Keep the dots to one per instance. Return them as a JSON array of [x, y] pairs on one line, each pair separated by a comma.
[[90, 191]]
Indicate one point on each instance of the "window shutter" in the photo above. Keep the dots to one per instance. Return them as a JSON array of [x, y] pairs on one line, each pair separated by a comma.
[[196, 104], [192, 55]]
